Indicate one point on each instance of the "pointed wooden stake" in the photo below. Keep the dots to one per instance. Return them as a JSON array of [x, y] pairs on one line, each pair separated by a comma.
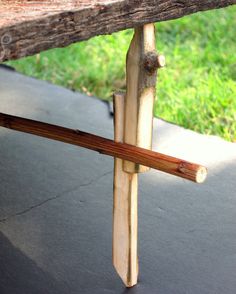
[[125, 257], [133, 125]]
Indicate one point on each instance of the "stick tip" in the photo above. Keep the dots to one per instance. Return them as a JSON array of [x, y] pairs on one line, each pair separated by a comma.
[[201, 175]]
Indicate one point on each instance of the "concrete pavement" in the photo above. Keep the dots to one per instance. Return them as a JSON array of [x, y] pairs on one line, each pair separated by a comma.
[[56, 205]]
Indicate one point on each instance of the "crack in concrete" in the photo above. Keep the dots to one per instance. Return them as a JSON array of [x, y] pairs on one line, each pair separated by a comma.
[[60, 195]]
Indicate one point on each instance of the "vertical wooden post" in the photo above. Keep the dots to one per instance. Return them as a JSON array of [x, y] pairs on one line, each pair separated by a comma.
[[125, 257], [140, 94], [133, 125]]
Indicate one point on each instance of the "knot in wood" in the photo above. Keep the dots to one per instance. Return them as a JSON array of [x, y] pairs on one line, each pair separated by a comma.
[[151, 63], [6, 39]]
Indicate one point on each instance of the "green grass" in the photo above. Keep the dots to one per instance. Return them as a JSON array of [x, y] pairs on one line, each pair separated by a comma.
[[197, 89]]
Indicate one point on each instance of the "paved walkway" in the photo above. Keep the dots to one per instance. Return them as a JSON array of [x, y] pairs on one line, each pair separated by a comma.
[[56, 205]]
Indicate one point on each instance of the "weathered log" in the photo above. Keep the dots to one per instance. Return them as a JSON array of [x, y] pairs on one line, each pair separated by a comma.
[[165, 163], [29, 27]]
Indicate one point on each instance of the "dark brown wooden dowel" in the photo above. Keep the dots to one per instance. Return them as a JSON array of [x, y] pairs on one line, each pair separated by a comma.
[[165, 163]]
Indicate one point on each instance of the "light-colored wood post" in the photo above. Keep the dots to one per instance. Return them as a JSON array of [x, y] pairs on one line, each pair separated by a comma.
[[125, 208], [133, 125], [141, 67]]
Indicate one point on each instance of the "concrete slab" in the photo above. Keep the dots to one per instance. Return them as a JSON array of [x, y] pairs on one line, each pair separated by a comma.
[[56, 205]]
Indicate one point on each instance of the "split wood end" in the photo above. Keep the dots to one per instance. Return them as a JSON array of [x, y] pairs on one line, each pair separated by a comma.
[[201, 175], [192, 172]]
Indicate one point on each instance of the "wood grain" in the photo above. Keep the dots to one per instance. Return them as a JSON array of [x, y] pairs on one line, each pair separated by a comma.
[[159, 161], [29, 27], [140, 92], [125, 208]]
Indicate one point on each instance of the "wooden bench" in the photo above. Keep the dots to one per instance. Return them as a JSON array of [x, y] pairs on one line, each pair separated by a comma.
[[29, 27]]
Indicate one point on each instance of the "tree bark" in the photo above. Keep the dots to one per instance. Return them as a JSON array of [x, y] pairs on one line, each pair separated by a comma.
[[27, 28]]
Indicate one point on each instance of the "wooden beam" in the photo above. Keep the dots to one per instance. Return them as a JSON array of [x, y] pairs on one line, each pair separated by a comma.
[[141, 68], [165, 163], [125, 209], [29, 27]]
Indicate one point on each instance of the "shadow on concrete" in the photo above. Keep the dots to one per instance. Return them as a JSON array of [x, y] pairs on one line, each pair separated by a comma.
[[19, 274]]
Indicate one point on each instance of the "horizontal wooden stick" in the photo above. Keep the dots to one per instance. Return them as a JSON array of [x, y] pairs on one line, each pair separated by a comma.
[[165, 163]]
